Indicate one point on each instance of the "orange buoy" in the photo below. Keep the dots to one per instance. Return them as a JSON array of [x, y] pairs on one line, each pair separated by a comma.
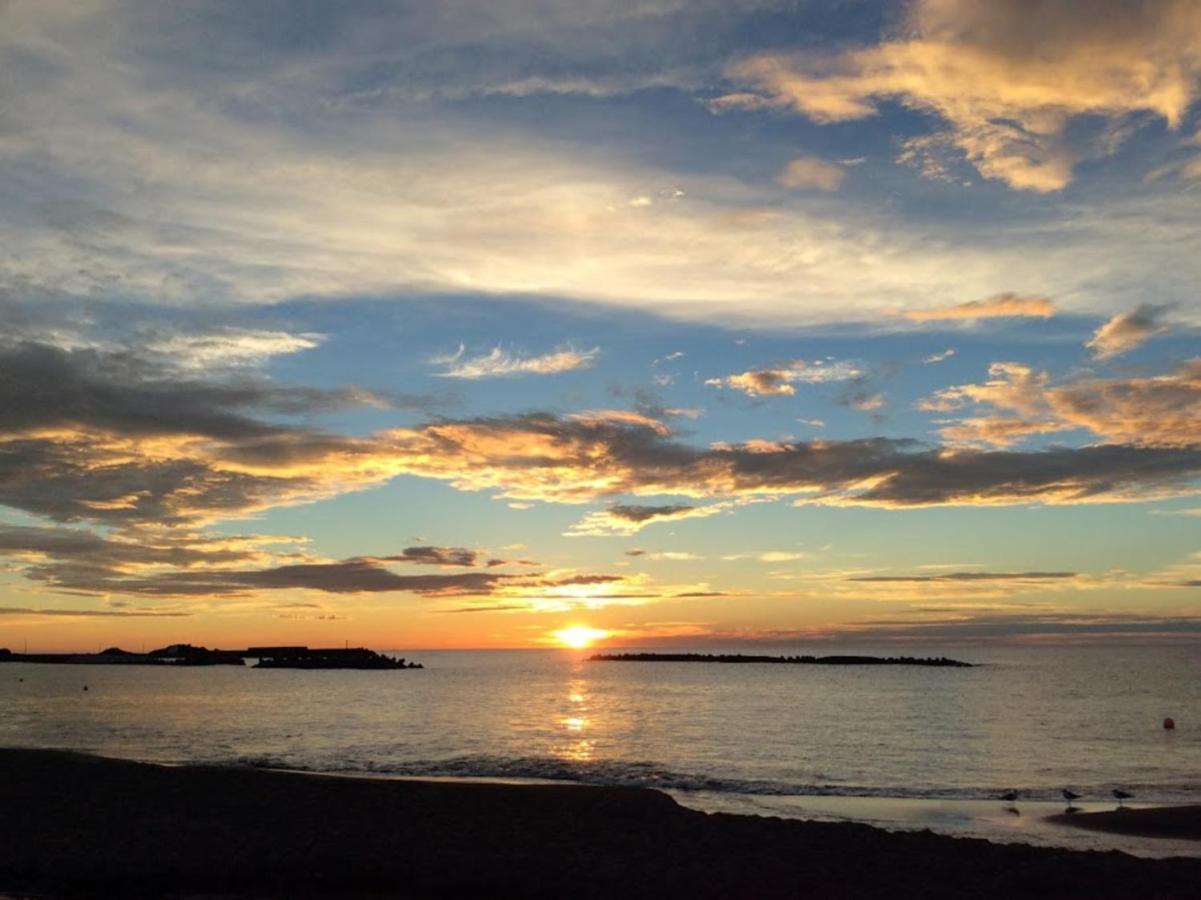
[[1169, 724]]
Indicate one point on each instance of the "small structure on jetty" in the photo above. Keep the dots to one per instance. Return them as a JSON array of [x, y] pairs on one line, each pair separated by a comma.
[[934, 661], [188, 655]]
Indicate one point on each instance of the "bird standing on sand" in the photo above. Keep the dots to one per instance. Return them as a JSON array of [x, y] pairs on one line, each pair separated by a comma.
[[1121, 796]]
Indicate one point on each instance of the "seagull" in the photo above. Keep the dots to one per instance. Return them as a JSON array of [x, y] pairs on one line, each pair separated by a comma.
[[1122, 796]]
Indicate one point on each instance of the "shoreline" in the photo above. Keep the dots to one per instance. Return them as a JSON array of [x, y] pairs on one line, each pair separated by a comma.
[[87, 826], [1039, 823]]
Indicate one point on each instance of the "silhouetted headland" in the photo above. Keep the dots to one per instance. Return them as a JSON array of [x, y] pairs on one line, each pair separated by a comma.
[[189, 655], [304, 658], [935, 661], [82, 827]]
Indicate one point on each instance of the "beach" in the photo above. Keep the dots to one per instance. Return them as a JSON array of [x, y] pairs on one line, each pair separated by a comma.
[[84, 826]]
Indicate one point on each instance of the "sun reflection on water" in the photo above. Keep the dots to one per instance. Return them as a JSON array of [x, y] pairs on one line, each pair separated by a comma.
[[576, 722]]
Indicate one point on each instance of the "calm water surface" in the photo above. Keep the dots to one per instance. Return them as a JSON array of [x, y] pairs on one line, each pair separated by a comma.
[[1033, 719]]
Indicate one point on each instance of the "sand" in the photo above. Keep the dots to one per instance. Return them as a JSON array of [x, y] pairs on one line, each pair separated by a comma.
[[1172, 822], [80, 826]]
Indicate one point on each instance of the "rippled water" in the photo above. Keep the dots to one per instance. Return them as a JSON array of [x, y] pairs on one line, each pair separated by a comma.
[[1034, 719]]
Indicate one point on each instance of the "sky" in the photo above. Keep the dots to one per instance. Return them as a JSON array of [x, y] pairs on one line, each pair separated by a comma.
[[459, 324]]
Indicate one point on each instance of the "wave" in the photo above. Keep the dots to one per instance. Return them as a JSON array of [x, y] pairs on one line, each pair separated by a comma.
[[622, 773]]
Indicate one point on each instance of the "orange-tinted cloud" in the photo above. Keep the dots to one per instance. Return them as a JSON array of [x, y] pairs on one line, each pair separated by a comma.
[[1161, 410], [1000, 306], [1008, 79], [811, 172], [1126, 331], [778, 381]]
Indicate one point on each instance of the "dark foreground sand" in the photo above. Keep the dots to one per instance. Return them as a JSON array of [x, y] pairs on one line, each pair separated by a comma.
[[1175, 822], [74, 825]]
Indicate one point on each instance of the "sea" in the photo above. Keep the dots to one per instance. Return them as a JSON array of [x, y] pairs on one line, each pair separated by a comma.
[[899, 747]]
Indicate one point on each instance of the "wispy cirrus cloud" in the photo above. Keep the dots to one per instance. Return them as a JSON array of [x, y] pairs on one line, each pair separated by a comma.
[[225, 347], [500, 363]]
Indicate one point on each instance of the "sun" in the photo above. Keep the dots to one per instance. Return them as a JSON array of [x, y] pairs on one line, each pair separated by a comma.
[[579, 636]]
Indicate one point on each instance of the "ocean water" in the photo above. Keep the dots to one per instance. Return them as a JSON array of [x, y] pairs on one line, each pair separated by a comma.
[[782, 740]]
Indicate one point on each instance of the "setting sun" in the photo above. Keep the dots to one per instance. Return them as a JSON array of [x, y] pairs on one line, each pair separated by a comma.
[[579, 636]]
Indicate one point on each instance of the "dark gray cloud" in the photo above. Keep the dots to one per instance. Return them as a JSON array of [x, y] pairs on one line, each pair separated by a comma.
[[637, 513], [424, 555], [969, 576], [43, 385], [90, 613], [1032, 626], [129, 549], [341, 577], [172, 563], [439, 556]]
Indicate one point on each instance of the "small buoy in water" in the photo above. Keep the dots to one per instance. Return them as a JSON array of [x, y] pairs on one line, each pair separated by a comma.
[[1169, 724]]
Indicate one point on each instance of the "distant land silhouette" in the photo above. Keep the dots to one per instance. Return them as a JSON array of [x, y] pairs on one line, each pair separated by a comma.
[[935, 661], [189, 655]]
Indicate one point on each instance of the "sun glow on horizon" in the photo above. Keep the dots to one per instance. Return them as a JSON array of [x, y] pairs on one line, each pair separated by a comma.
[[578, 637]]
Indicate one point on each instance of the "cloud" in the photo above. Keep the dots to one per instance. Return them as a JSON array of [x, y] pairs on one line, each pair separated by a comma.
[[90, 434], [1126, 331], [89, 437], [132, 550], [953, 577], [226, 347], [1000, 306], [498, 363], [779, 381], [811, 172], [1016, 84], [767, 556], [425, 555], [623, 519], [1054, 626], [90, 613], [1160, 410], [171, 563], [553, 459], [139, 172]]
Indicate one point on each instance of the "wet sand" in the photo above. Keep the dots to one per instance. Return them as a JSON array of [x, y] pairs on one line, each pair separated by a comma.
[[1181, 823], [79, 826]]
